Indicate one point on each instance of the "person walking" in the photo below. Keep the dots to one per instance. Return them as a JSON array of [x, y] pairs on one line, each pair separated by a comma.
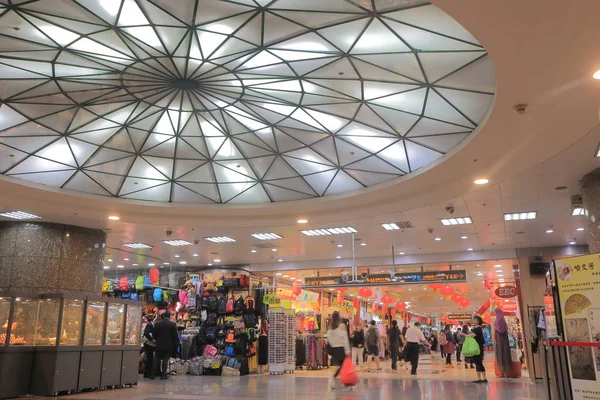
[[374, 343], [167, 340], [394, 338], [449, 346], [477, 334], [149, 344], [414, 337], [403, 362], [468, 360], [337, 337], [458, 344], [358, 345]]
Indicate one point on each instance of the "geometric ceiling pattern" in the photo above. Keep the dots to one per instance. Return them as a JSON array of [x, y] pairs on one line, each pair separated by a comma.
[[240, 101]]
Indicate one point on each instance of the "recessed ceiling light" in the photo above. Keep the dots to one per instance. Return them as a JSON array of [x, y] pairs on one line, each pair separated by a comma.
[[285, 276], [106, 267], [501, 280], [253, 251], [195, 255], [580, 229], [209, 264], [126, 259], [520, 216], [177, 256], [120, 266], [596, 75], [278, 274], [137, 245], [481, 181], [572, 242], [499, 274], [166, 263], [182, 262], [266, 236], [113, 218], [273, 249], [329, 274], [351, 295], [498, 266], [363, 244], [151, 265], [338, 257], [464, 237], [302, 221], [340, 245], [329, 231], [110, 260], [549, 231], [18, 215], [437, 239], [470, 249], [579, 211], [401, 253], [292, 278], [177, 242], [456, 221], [135, 265], [409, 288], [216, 260], [280, 260], [220, 239], [330, 289]]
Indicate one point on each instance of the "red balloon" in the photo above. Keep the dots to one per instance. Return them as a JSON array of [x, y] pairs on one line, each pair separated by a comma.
[[387, 300], [446, 290], [393, 312], [154, 276], [400, 305], [375, 307], [356, 302], [297, 291]]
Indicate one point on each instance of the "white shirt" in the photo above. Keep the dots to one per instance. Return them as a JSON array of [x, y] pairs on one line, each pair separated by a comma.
[[339, 338], [414, 335]]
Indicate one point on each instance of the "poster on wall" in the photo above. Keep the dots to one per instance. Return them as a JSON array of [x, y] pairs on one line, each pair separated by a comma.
[[578, 284]]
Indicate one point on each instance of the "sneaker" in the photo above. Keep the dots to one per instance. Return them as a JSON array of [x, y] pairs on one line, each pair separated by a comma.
[[472, 367], [484, 381], [413, 373], [478, 381]]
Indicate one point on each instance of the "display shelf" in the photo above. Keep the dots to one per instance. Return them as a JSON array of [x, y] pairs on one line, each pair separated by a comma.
[[95, 315], [115, 321]]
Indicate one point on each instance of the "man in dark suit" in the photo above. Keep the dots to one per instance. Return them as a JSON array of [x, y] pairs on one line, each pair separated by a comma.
[[165, 334], [149, 344]]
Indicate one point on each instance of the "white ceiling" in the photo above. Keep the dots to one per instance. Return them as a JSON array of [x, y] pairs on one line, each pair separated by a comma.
[[524, 156], [258, 102]]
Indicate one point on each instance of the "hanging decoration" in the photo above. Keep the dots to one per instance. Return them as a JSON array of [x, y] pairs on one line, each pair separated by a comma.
[[375, 307], [387, 300], [393, 312], [365, 292], [401, 305], [446, 290], [356, 302], [340, 298]]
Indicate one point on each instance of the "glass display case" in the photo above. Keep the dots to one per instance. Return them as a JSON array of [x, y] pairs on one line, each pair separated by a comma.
[[114, 324], [133, 325], [70, 330], [24, 321], [94, 323], [46, 325], [4, 315]]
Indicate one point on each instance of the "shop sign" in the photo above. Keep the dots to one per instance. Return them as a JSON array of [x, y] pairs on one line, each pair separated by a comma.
[[578, 283], [398, 278], [460, 317], [305, 296], [506, 292]]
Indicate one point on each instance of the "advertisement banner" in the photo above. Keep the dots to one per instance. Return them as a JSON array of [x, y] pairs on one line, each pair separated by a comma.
[[578, 284], [305, 296], [394, 278]]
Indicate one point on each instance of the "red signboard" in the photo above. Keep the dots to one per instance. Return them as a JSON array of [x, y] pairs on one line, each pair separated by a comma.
[[506, 292]]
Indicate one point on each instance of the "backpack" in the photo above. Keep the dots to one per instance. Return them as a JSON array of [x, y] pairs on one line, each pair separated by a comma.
[[250, 350], [443, 339], [203, 315], [211, 335], [183, 297], [213, 304], [222, 305], [211, 319], [139, 283], [157, 295], [249, 302], [230, 305], [371, 338], [252, 334], [229, 351], [230, 336], [220, 343], [244, 281], [249, 320], [240, 306]]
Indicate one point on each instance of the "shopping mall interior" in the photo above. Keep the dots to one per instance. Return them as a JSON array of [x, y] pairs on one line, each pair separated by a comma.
[[265, 193]]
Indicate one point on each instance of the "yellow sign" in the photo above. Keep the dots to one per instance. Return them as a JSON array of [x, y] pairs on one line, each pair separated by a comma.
[[578, 283]]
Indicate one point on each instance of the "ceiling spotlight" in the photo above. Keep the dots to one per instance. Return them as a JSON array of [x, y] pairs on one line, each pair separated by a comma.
[[470, 249], [280, 260], [437, 239], [401, 253], [273, 249], [113, 218], [363, 244], [596, 75], [572, 242], [481, 181], [549, 231], [580, 229], [177, 256], [302, 221], [340, 245], [338, 257], [195, 255], [253, 251], [464, 237], [216, 260]]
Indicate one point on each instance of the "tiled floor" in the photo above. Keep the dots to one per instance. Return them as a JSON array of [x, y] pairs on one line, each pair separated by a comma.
[[433, 382]]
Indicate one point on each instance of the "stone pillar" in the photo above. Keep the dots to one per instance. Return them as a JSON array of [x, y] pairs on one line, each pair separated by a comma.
[[41, 257], [590, 192]]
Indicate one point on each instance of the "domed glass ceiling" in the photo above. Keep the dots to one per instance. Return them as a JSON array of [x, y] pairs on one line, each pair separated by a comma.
[[241, 101]]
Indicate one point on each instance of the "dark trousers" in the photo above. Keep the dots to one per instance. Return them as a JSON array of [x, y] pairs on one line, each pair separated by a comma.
[[458, 350], [337, 356], [449, 358], [395, 352], [162, 362], [412, 355], [149, 368]]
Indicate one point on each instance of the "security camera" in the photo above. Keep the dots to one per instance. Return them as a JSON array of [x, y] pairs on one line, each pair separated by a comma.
[[168, 233], [430, 230], [196, 241], [450, 209]]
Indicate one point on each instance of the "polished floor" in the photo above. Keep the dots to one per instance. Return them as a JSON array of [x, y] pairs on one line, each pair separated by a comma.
[[433, 382]]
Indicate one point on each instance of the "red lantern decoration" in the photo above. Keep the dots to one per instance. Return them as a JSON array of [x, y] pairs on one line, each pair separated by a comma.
[[455, 298], [356, 303], [375, 307], [365, 292], [420, 319], [409, 316], [393, 312], [154, 276], [340, 298], [124, 283], [428, 321], [446, 290], [465, 302], [387, 300]]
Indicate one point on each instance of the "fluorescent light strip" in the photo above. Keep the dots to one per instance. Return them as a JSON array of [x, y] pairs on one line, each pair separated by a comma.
[[520, 216], [177, 242], [390, 227], [137, 245], [456, 221], [19, 215], [576, 211], [329, 231], [266, 236], [220, 239]]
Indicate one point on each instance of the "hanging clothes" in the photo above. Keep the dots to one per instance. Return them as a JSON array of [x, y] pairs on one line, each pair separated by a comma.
[[263, 350]]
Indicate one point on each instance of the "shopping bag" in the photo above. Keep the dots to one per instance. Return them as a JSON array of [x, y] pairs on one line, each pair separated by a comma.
[[348, 375], [470, 347]]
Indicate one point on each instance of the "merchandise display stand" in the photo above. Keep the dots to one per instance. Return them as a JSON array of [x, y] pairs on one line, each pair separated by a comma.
[[290, 345], [278, 340]]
